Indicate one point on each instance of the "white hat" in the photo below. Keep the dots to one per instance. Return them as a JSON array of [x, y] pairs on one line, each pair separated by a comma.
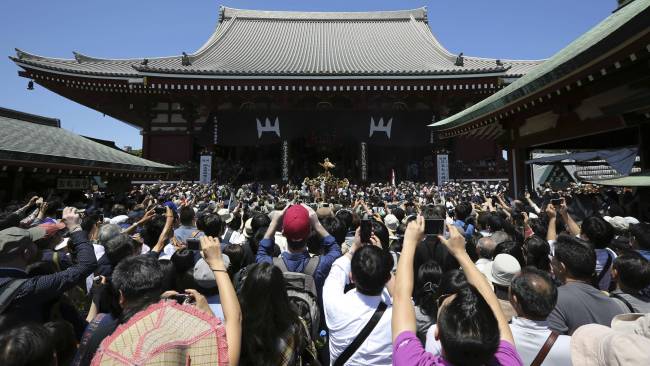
[[225, 215], [248, 228], [391, 222], [617, 222], [502, 270]]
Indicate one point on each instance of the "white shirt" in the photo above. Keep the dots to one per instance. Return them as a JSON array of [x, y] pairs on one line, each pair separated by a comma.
[[432, 345], [482, 264], [235, 238], [348, 313], [530, 336]]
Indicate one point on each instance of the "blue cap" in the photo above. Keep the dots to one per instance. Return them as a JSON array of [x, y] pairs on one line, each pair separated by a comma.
[[171, 205]]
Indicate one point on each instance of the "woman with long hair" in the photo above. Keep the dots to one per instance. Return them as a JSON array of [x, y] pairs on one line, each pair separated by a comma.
[[272, 332], [425, 294], [537, 252]]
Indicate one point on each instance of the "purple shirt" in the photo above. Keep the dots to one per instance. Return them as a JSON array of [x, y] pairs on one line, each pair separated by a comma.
[[407, 350]]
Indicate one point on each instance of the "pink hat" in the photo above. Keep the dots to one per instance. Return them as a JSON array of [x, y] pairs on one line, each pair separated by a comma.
[[295, 223], [166, 333], [595, 344]]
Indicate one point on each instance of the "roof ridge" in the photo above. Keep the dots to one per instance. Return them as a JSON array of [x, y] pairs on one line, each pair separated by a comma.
[[417, 13]]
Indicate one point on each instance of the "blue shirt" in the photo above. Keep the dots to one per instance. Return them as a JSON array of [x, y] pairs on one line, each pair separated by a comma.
[[645, 253], [296, 262], [185, 232], [468, 230]]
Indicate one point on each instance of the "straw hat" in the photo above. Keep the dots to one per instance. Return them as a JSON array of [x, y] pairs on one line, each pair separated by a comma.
[[166, 333]]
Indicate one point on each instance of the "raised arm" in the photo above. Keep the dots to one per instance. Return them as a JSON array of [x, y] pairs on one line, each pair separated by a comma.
[[147, 216], [231, 310], [456, 246], [403, 311], [551, 233], [572, 226], [167, 231]]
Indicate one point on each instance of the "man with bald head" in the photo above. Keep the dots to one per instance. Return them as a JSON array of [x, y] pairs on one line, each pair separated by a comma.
[[533, 296], [485, 251]]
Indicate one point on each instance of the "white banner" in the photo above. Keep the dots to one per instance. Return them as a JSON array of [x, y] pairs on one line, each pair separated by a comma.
[[443, 168], [205, 175]]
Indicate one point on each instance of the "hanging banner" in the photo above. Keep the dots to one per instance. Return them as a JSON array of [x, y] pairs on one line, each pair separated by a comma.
[[246, 128], [205, 174], [443, 168]]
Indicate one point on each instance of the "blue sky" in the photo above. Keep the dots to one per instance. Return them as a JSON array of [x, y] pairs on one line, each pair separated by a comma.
[[515, 29]]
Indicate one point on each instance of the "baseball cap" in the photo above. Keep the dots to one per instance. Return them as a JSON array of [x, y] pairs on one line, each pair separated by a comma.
[[13, 238], [502, 270], [595, 344], [166, 333], [295, 223]]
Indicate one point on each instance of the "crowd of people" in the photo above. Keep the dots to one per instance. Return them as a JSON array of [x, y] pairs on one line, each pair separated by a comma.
[[376, 274]]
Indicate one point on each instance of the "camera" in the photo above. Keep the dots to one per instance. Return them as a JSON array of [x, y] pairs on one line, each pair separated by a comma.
[[183, 298]]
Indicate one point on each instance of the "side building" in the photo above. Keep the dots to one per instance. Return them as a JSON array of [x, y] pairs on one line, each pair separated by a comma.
[[36, 154]]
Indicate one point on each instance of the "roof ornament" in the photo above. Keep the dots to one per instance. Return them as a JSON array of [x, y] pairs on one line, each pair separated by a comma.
[[499, 62], [185, 60], [30, 85], [21, 54], [144, 62], [460, 60]]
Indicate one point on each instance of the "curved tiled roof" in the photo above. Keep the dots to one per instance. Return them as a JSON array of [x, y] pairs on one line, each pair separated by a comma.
[[33, 139], [278, 43], [597, 42]]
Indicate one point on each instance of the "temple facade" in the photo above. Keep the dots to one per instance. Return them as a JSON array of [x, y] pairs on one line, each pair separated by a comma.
[[271, 92]]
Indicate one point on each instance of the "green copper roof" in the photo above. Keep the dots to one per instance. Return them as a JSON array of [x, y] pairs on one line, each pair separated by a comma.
[[604, 37]]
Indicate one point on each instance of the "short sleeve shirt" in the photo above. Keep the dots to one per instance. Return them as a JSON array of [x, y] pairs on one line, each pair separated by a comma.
[[408, 351]]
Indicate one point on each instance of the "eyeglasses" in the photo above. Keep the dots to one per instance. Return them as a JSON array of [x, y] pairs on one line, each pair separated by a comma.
[[442, 299]]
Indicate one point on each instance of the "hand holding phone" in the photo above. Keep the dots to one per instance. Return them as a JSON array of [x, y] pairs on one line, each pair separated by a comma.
[[366, 231], [434, 227], [193, 243]]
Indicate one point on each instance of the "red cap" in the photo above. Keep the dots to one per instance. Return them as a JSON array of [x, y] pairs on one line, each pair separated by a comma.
[[51, 229], [295, 224]]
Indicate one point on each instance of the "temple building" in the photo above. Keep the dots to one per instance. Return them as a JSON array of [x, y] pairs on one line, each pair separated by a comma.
[[274, 92], [592, 98]]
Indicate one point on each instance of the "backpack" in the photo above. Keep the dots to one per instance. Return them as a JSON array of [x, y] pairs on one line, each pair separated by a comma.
[[302, 292]]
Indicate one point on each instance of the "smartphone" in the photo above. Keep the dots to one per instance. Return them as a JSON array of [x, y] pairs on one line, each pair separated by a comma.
[[434, 226], [556, 201], [193, 243], [183, 298], [366, 231]]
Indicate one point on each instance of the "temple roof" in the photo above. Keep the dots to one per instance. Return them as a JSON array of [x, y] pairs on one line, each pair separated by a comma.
[[596, 44], [24, 138], [252, 43]]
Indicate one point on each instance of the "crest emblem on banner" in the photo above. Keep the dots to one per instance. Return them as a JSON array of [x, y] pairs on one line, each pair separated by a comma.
[[380, 126], [268, 126]]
